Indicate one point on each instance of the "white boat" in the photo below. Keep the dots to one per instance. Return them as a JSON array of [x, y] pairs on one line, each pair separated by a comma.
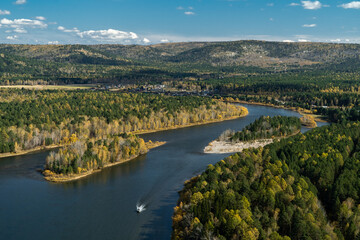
[[140, 208]]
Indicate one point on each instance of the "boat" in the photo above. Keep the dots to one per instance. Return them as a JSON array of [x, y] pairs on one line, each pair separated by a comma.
[[140, 208]]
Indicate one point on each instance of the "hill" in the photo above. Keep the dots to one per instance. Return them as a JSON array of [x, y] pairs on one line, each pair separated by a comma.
[[59, 64]]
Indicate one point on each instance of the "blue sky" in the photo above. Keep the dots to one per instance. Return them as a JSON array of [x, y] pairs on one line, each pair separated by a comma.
[[148, 22]]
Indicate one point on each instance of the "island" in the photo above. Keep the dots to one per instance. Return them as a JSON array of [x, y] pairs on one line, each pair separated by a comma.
[[80, 159], [260, 133]]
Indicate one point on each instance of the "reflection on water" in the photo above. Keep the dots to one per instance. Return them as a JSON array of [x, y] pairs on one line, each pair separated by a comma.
[[103, 205], [107, 175]]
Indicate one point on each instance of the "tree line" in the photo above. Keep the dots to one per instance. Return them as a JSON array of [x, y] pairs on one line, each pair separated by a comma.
[[302, 187]]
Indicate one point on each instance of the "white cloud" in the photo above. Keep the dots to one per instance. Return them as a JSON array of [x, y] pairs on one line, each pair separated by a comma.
[[351, 5], [5, 12], [12, 37], [53, 42], [74, 30], [303, 40], [189, 13], [288, 41], [20, 30], [19, 2], [271, 19], [145, 40], [309, 25], [111, 35], [270, 4], [164, 41], [180, 8], [294, 4], [335, 40], [191, 8], [311, 5], [41, 18], [19, 23]]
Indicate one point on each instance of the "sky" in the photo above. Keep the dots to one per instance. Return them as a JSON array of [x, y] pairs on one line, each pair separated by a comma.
[[160, 21]]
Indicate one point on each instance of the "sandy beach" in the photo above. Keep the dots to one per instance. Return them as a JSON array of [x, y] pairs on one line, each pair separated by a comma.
[[230, 147]]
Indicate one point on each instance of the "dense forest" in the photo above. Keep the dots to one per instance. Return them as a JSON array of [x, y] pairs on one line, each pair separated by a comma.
[[312, 76], [31, 119], [302, 187], [81, 156], [267, 127]]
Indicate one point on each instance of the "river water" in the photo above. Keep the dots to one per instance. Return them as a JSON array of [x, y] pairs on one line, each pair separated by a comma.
[[102, 206]]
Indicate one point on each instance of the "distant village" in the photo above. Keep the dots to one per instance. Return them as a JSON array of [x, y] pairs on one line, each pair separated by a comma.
[[153, 88]]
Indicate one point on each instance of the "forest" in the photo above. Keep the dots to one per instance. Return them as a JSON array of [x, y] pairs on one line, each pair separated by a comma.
[[86, 155], [302, 187], [311, 76], [33, 118], [268, 127]]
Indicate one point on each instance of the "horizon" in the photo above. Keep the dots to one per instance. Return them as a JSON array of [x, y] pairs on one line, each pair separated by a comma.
[[168, 43]]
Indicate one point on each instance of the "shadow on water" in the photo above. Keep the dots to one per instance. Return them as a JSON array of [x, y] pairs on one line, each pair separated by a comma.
[[107, 175]]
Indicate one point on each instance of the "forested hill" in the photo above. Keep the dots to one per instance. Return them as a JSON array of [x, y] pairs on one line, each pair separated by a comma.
[[171, 61], [302, 187]]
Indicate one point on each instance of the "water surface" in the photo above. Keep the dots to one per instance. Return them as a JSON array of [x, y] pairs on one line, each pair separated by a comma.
[[102, 206]]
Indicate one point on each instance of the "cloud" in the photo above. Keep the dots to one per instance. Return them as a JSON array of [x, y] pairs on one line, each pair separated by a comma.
[[309, 25], [351, 5], [311, 5], [111, 35], [270, 4], [145, 40], [288, 41], [74, 30], [5, 12], [20, 23], [164, 41], [303, 40], [335, 40], [53, 42], [180, 8], [12, 37], [294, 4], [189, 13], [20, 2], [20, 30], [41, 18]]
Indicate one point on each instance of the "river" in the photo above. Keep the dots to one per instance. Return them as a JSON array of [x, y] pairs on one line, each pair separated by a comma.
[[102, 206]]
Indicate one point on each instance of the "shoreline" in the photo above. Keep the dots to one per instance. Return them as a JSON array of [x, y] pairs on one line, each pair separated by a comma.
[[233, 147], [34, 150], [140, 132], [44, 148], [317, 118], [62, 179], [220, 147]]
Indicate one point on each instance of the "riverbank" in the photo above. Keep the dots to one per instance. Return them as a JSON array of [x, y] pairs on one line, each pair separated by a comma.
[[302, 111], [246, 112], [219, 147], [43, 148], [33, 150], [60, 178]]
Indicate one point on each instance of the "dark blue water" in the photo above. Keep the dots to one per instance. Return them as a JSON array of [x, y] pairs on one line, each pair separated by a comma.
[[102, 206]]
